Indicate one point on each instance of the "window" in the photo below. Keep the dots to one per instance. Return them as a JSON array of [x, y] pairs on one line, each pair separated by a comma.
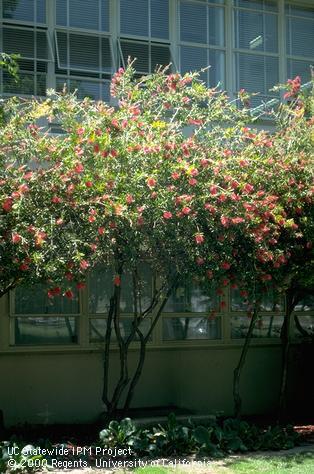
[[30, 42], [144, 34], [86, 14], [187, 314], [267, 326], [100, 291], [79, 55], [38, 320], [33, 11], [256, 47], [202, 39], [299, 41]]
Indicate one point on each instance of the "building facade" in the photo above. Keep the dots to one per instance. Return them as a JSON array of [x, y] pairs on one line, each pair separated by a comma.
[[51, 353]]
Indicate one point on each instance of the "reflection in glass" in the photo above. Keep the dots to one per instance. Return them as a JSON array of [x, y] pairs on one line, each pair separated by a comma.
[[306, 304], [265, 327], [181, 329], [34, 300], [269, 301], [191, 297], [97, 329], [307, 323], [101, 290], [46, 330]]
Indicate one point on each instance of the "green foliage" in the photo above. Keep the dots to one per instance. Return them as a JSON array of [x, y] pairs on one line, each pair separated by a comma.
[[215, 439]]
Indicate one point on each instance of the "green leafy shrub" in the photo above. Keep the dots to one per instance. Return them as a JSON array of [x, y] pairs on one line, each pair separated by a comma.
[[214, 440]]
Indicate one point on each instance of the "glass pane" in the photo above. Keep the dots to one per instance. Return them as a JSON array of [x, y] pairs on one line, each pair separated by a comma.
[[267, 5], [17, 41], [307, 323], [44, 331], [193, 22], [41, 45], [267, 326], [159, 18], [194, 59], [23, 10], [101, 290], [182, 329], [138, 51], [84, 52], [216, 26], [134, 17], [256, 31], [217, 70], [300, 37], [299, 68], [41, 84], [256, 73], [85, 89], [160, 56], [191, 297], [34, 300], [61, 12], [307, 304], [97, 329], [269, 301], [25, 85], [305, 12], [84, 14]]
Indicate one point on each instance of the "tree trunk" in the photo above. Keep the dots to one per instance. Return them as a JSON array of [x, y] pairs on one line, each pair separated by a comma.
[[105, 395], [237, 400], [291, 300]]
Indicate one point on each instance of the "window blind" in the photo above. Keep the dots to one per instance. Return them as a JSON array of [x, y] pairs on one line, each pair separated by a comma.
[[28, 43], [24, 10], [88, 14]]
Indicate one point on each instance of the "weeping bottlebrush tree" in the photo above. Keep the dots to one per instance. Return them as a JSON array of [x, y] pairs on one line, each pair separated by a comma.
[[173, 175]]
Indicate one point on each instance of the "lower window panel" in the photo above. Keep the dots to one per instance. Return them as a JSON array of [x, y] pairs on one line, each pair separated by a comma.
[[265, 327], [185, 329], [307, 324], [97, 329], [45, 331]]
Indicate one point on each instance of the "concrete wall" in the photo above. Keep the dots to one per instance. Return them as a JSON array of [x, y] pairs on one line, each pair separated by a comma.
[[66, 387]]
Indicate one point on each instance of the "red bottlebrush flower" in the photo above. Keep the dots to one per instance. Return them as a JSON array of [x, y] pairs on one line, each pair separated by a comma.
[[80, 131], [175, 176], [200, 261], [59, 221], [223, 304], [225, 265], [194, 172], [24, 267], [186, 210], [129, 199], [56, 200], [88, 184], [210, 208], [69, 294], [96, 148], [140, 220], [199, 238], [79, 168], [153, 195], [237, 220], [167, 215], [151, 182], [266, 277], [213, 190], [248, 188], [225, 221], [80, 285], [192, 181], [84, 264], [54, 292], [16, 238], [234, 286], [204, 162], [69, 276], [7, 204], [117, 280], [101, 230], [209, 274], [91, 218]]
